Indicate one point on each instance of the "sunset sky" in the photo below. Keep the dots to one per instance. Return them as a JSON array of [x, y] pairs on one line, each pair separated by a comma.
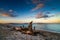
[[24, 11]]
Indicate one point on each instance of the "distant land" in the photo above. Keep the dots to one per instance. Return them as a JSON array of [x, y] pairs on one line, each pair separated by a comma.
[[27, 23]]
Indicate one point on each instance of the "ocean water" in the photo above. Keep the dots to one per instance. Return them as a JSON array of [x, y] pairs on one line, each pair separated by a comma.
[[46, 27]]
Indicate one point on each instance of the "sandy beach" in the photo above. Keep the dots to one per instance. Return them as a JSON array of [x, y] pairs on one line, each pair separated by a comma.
[[7, 34]]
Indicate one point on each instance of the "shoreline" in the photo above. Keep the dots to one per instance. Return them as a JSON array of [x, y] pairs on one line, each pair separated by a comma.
[[18, 35]]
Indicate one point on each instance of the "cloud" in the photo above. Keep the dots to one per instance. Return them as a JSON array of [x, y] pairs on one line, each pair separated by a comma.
[[38, 1], [38, 6], [10, 10], [9, 13], [5, 14], [39, 15], [32, 1], [35, 1], [42, 15], [12, 13]]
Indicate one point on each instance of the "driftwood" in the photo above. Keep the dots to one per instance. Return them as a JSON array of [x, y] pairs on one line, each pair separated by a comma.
[[30, 31]]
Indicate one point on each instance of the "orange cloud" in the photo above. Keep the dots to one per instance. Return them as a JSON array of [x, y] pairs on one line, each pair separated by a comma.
[[5, 14], [38, 6], [9, 13]]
